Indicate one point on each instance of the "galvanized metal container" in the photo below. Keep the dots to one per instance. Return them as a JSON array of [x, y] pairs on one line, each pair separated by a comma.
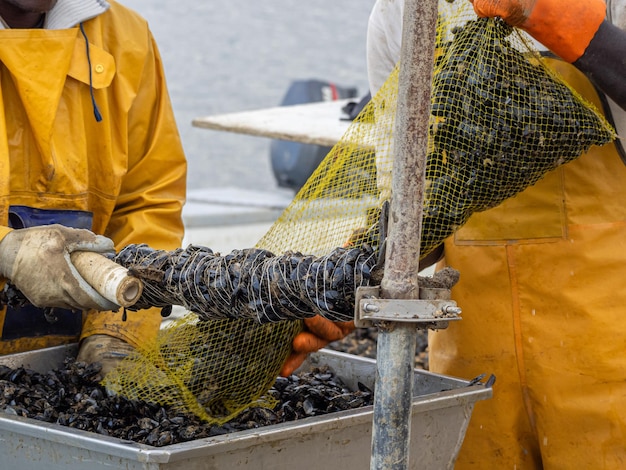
[[441, 410]]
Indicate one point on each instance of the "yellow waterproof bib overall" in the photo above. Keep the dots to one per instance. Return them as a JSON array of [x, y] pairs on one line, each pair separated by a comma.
[[544, 309]]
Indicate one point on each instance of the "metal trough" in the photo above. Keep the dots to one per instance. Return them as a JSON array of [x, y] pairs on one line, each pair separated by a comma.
[[441, 409]]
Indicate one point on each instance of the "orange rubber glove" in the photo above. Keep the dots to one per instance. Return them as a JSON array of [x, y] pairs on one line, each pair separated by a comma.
[[318, 333], [566, 27]]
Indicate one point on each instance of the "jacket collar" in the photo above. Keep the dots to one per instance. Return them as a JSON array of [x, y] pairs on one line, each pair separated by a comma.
[[68, 13]]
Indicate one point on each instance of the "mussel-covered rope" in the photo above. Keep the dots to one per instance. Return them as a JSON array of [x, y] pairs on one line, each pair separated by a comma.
[[251, 283]]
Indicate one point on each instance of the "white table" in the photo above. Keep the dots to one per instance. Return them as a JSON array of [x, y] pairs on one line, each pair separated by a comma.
[[316, 123]]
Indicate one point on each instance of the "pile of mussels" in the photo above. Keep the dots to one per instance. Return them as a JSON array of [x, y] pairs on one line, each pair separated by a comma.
[[72, 396]]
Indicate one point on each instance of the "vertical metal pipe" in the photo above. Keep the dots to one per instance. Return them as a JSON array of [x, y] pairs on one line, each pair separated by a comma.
[[396, 341], [392, 397]]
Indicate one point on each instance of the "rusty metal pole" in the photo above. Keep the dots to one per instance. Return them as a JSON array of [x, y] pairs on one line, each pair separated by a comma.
[[396, 340]]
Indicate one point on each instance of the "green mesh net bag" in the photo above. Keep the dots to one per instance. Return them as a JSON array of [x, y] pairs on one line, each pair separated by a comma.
[[500, 120]]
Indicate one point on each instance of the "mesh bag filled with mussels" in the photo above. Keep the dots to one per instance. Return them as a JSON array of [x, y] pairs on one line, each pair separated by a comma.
[[500, 120]]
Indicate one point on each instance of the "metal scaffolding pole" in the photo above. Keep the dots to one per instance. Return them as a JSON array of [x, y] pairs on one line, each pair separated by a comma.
[[396, 339]]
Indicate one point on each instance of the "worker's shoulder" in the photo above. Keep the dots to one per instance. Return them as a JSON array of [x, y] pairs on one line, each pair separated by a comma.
[[123, 20], [122, 32]]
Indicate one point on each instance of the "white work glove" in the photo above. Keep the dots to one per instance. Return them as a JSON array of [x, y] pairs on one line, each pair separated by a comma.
[[37, 261]]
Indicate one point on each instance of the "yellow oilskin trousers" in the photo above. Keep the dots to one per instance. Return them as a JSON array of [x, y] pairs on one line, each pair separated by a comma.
[[127, 170], [544, 310]]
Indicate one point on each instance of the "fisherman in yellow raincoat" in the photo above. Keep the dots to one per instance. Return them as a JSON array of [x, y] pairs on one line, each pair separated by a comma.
[[88, 145], [541, 288]]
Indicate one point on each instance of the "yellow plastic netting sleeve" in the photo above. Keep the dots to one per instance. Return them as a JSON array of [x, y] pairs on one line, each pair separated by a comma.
[[500, 120]]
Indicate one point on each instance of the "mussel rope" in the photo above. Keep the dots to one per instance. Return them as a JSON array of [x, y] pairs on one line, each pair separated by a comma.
[[251, 283]]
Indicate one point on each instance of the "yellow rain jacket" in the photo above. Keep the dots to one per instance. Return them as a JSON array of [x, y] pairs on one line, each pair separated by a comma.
[[126, 172], [544, 309]]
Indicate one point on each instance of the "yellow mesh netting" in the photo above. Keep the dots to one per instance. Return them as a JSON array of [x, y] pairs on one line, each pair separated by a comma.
[[499, 121]]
